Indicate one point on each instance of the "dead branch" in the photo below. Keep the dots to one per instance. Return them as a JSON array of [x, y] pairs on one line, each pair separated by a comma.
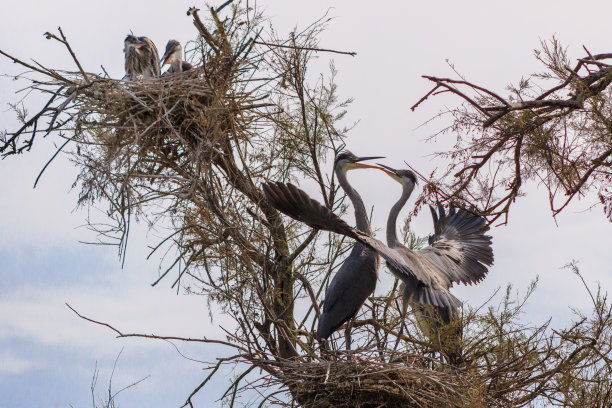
[[562, 134]]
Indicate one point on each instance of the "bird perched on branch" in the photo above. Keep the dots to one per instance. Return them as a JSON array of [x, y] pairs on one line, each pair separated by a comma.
[[356, 278], [458, 252], [174, 57], [141, 58]]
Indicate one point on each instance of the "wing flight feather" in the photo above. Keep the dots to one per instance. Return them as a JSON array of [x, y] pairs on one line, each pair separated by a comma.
[[459, 248], [295, 203]]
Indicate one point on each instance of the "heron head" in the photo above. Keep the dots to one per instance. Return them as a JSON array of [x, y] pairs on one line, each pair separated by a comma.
[[173, 51], [346, 161], [404, 177], [133, 41]]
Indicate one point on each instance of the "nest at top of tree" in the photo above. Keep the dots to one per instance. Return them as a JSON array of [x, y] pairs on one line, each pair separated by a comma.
[[190, 111], [175, 114], [186, 113]]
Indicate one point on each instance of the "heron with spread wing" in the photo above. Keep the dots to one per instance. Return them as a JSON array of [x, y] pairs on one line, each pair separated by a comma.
[[294, 202], [141, 58], [174, 57], [356, 278], [458, 252]]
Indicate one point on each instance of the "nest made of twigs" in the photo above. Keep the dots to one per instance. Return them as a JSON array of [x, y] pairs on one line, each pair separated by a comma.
[[359, 379], [178, 113]]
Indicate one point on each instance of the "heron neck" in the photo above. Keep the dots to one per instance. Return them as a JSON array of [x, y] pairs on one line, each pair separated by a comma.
[[177, 64], [361, 216], [395, 210]]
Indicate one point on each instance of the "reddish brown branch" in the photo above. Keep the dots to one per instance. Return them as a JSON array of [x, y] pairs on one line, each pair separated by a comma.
[[156, 337], [577, 101]]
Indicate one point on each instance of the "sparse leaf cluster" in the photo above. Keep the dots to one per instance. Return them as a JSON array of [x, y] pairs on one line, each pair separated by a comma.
[[553, 128]]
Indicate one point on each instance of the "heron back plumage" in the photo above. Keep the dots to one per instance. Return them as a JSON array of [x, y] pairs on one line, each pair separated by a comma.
[[141, 58], [347, 291]]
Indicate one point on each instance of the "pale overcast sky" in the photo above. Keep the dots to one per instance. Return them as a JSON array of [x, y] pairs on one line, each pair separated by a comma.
[[48, 355]]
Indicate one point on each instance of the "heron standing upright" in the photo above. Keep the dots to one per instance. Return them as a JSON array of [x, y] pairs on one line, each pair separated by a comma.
[[141, 58], [458, 252], [356, 278], [174, 57]]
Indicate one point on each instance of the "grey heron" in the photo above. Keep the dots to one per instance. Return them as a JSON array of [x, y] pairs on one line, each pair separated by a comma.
[[141, 58], [174, 57], [458, 252], [357, 276]]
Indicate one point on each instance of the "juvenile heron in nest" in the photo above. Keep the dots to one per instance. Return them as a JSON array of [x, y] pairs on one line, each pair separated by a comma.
[[458, 252], [141, 58], [174, 57]]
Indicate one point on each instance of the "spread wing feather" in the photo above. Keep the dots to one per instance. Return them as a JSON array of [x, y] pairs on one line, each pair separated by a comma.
[[459, 247], [294, 202]]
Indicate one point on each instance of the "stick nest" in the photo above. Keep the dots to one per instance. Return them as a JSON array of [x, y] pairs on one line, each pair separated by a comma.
[[360, 379], [174, 117]]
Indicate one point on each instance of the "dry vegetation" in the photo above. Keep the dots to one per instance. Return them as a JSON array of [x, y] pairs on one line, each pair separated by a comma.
[[186, 153], [553, 127]]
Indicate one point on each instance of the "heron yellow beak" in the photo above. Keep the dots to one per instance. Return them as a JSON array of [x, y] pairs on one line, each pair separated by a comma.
[[391, 172], [364, 166], [164, 58], [359, 159]]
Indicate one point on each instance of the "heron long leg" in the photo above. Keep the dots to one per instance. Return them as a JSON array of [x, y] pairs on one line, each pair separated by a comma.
[[438, 341], [399, 336], [402, 325], [347, 333]]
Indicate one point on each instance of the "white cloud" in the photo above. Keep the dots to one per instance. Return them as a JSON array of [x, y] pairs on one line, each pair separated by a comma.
[[40, 314], [12, 364]]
